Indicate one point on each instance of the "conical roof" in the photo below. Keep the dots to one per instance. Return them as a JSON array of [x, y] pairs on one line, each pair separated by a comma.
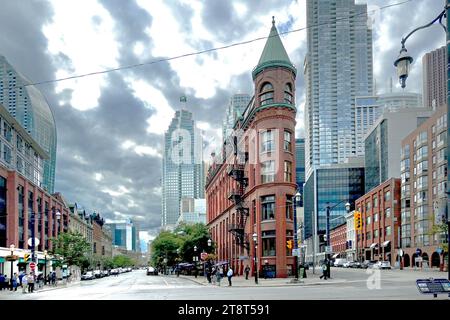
[[274, 53]]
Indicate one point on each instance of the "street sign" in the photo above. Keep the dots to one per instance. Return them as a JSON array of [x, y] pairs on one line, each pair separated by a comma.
[[11, 258], [296, 252], [36, 241], [203, 255], [32, 265], [433, 286]]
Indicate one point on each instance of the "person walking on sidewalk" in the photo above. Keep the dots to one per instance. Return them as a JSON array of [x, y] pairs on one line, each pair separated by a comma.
[[218, 276], [247, 270], [54, 278], [20, 277], [324, 271], [30, 283], [229, 275], [2, 282], [14, 282], [24, 284], [6, 282]]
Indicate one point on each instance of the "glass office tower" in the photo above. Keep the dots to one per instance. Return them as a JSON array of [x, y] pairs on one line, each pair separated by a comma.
[[31, 110]]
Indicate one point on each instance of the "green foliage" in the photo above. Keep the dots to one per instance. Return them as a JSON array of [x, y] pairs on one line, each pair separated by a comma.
[[441, 228], [121, 261], [185, 237], [72, 247]]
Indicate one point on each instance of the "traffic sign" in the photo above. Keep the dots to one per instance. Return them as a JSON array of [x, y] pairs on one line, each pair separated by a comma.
[[296, 252], [12, 258], [203, 255], [32, 265]]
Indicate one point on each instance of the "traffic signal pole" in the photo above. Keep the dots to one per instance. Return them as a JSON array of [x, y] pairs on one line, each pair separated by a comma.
[[295, 239]]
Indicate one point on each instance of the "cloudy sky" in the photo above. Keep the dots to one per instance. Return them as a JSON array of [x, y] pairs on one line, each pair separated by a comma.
[[110, 126]]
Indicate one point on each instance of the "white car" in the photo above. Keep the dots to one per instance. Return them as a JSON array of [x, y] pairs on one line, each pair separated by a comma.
[[340, 262], [88, 276], [382, 265]]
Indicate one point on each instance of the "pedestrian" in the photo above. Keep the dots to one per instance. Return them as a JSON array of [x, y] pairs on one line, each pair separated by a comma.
[[20, 277], [14, 282], [324, 271], [229, 275], [30, 283], [218, 276], [54, 278], [24, 284], [2, 282], [247, 271], [6, 282]]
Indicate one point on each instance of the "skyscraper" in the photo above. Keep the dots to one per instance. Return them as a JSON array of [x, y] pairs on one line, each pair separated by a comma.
[[183, 169], [31, 110], [434, 74], [300, 163], [338, 67], [235, 109]]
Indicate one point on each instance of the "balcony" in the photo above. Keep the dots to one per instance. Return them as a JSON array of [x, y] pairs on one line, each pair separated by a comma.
[[236, 171]]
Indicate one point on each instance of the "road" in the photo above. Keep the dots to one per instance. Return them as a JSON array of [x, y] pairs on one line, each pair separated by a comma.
[[137, 285]]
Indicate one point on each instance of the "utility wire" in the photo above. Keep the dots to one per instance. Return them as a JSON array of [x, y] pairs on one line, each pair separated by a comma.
[[207, 50]]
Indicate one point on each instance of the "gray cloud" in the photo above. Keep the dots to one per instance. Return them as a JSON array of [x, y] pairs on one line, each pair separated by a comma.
[[96, 135]]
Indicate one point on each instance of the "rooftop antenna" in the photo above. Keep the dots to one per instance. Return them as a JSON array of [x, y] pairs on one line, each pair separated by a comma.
[[183, 101]]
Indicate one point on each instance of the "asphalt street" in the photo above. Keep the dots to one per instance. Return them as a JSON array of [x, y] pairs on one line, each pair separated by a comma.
[[356, 284]]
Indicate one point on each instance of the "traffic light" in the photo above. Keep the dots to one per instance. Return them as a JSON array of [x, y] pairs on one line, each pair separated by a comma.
[[289, 244], [26, 257], [358, 221]]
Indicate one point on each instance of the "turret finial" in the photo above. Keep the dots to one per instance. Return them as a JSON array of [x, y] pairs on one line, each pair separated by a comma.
[[273, 20]]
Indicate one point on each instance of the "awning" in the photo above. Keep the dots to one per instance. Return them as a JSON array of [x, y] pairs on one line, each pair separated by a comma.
[[373, 245], [385, 243]]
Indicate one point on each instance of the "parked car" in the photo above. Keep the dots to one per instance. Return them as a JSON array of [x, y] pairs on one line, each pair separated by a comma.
[[339, 262], [356, 264], [88, 276], [347, 264], [98, 274], [382, 265], [114, 271], [105, 273], [152, 271], [368, 264]]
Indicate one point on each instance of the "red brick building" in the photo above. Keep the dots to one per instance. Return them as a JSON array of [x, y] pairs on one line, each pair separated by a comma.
[[250, 187], [338, 240], [380, 212]]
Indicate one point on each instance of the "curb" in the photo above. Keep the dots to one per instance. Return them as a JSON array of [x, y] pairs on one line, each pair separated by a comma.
[[300, 284]]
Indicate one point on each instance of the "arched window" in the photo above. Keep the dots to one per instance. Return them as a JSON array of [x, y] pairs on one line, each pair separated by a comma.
[[266, 96], [288, 98]]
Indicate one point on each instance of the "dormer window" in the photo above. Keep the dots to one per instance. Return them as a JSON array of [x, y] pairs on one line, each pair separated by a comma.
[[266, 96], [288, 98]]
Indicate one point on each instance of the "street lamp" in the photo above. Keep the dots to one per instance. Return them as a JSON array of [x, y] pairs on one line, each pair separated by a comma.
[[402, 70], [255, 241], [297, 197], [328, 247], [11, 247], [195, 260], [45, 267]]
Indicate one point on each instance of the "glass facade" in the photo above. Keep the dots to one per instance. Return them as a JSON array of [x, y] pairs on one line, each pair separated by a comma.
[[29, 107], [238, 103], [377, 158], [334, 186], [183, 169], [300, 164], [338, 67]]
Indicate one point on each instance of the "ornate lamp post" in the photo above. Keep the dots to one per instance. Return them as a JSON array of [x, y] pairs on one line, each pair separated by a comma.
[[195, 261], [45, 267], [255, 241], [11, 247]]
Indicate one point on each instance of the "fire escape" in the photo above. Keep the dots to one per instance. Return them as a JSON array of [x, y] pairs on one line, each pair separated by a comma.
[[236, 171]]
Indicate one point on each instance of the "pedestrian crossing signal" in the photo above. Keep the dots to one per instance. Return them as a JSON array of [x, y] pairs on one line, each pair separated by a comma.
[[358, 221], [26, 257], [289, 244]]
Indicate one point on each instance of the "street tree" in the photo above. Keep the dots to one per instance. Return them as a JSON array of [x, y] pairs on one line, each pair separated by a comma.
[[72, 247]]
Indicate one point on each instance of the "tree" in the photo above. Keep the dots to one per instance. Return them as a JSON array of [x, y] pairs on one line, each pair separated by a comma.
[[441, 228], [72, 247], [165, 246], [121, 261]]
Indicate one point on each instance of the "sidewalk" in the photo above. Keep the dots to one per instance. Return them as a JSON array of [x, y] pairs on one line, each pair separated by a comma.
[[4, 294], [239, 281]]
